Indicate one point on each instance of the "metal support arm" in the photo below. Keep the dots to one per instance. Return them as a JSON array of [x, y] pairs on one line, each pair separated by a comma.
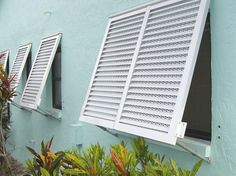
[[106, 130], [194, 153], [39, 110], [46, 114]]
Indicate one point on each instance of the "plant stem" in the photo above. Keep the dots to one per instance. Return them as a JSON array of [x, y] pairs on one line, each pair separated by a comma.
[[3, 144]]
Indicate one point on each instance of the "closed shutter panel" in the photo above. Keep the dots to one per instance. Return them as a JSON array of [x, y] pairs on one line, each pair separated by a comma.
[[160, 82], [38, 75], [19, 63], [3, 59], [160, 73], [109, 79]]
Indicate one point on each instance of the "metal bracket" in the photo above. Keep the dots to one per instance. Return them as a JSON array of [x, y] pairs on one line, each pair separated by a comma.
[[181, 128], [108, 131], [45, 113], [193, 152], [19, 106], [40, 111], [180, 133]]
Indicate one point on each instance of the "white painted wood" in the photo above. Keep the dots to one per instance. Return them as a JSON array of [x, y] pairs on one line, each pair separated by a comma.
[[31, 96], [131, 69], [155, 83], [111, 70], [19, 63], [153, 64]]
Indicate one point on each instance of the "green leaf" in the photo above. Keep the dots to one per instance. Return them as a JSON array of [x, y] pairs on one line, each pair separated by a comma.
[[56, 162], [73, 171], [196, 168], [30, 167], [35, 154], [50, 143], [174, 167], [44, 172]]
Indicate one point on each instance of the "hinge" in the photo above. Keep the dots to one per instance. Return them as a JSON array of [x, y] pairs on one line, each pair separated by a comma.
[[181, 128]]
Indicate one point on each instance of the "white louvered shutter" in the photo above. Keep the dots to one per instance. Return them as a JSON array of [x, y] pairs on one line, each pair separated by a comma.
[[39, 72], [156, 90], [19, 63], [4, 58], [112, 69]]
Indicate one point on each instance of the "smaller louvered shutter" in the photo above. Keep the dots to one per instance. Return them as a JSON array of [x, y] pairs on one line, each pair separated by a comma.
[[39, 72], [19, 63], [4, 58]]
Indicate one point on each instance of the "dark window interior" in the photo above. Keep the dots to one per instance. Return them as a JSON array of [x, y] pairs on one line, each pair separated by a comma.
[[28, 65], [8, 65], [198, 108], [56, 80]]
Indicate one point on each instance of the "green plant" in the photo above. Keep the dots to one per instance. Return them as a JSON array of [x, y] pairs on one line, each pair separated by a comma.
[[6, 94], [124, 160], [143, 155], [46, 163], [94, 162], [90, 162], [171, 169]]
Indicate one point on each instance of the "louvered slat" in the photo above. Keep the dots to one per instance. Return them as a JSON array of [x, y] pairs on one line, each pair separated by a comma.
[[112, 69], [32, 93], [161, 69]]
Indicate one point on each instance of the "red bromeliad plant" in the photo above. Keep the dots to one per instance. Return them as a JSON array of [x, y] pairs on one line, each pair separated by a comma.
[[138, 161], [6, 94], [46, 163], [124, 160]]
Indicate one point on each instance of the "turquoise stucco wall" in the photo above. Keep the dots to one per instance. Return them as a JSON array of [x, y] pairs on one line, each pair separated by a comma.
[[82, 24]]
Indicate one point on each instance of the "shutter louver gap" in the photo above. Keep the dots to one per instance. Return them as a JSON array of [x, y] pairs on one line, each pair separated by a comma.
[[32, 93], [152, 81]]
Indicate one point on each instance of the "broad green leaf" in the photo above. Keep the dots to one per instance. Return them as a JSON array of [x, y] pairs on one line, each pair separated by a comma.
[[73, 171], [44, 172], [56, 162], [196, 168], [174, 167]]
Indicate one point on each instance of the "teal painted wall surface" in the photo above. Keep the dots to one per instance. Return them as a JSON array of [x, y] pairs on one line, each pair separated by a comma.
[[82, 24]]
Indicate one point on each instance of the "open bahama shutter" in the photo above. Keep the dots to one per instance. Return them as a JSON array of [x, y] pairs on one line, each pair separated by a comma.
[[19, 63], [31, 96], [157, 79], [4, 58]]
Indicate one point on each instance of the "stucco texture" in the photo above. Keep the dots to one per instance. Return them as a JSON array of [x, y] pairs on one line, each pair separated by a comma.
[[82, 24]]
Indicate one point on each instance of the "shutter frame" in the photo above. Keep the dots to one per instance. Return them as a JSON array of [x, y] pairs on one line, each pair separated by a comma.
[[36, 101], [24, 59]]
